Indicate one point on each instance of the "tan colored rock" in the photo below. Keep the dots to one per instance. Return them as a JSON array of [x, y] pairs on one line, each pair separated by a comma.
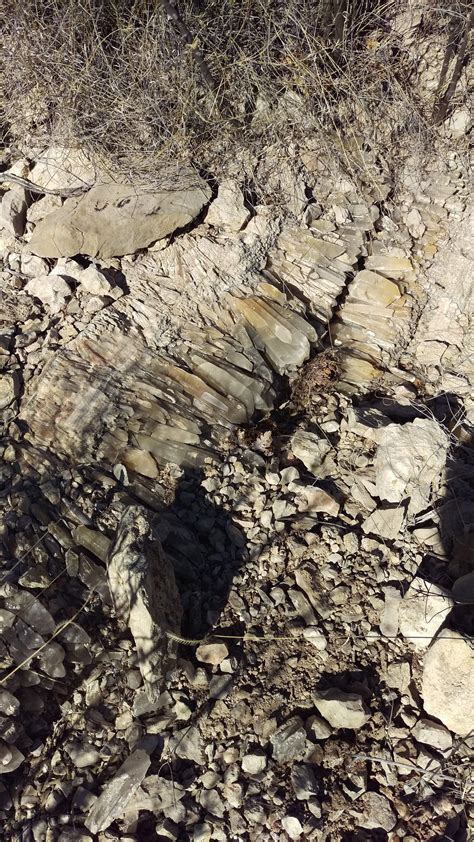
[[115, 219], [448, 682], [228, 209], [394, 267], [212, 653]]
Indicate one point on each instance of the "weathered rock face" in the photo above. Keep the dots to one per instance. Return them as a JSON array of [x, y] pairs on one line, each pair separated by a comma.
[[111, 220]]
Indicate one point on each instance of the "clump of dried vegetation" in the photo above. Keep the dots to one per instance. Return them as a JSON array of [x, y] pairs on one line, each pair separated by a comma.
[[140, 81]]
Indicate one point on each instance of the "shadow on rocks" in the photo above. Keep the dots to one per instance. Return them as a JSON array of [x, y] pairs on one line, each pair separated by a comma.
[[206, 549]]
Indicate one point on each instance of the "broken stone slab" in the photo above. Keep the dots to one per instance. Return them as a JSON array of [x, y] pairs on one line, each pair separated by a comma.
[[448, 682], [394, 267], [111, 220], [145, 596], [409, 458], [117, 793], [304, 781], [422, 611], [340, 709]]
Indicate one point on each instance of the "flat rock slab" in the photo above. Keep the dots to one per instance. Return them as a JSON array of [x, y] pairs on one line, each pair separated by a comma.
[[111, 220]]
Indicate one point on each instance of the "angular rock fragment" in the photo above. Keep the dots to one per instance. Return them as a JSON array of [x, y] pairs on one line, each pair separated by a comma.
[[145, 596], [118, 792], [385, 522], [433, 734], [311, 450], [340, 709]]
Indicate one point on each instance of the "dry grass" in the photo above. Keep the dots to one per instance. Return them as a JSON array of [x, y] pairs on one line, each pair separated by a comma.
[[119, 78]]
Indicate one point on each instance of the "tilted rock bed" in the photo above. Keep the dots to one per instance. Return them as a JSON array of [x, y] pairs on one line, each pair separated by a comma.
[[320, 521]]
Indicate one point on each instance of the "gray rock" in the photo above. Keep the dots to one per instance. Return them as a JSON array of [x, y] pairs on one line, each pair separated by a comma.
[[448, 682], [289, 741], [220, 686], [376, 812], [8, 389], [118, 792], [9, 704], [318, 728], [432, 734], [304, 781], [342, 710], [188, 744], [310, 449], [409, 458], [316, 637], [111, 220], [385, 522], [463, 589]]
